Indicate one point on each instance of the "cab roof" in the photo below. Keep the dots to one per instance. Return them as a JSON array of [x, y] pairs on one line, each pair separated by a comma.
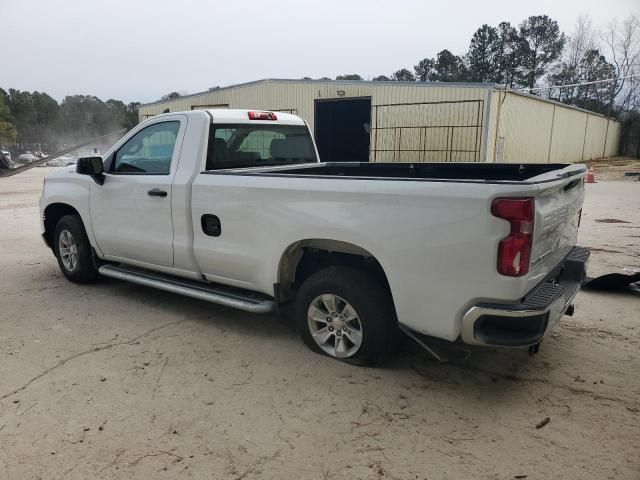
[[241, 115], [237, 115]]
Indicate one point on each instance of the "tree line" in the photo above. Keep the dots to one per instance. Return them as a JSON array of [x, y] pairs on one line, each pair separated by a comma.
[[538, 57], [35, 117], [534, 55]]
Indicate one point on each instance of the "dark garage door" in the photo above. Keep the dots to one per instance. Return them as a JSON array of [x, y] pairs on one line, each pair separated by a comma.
[[342, 129]]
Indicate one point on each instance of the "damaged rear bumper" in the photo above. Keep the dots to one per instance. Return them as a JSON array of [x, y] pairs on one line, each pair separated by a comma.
[[525, 323]]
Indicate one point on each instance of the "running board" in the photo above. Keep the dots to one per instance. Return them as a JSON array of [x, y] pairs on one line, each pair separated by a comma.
[[238, 298]]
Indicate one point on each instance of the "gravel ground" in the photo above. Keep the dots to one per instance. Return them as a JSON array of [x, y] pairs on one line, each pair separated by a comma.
[[615, 168], [117, 381]]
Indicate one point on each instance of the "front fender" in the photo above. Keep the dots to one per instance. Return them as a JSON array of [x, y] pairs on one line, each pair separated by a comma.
[[69, 188]]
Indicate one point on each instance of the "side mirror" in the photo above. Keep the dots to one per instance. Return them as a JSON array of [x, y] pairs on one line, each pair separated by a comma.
[[91, 166]]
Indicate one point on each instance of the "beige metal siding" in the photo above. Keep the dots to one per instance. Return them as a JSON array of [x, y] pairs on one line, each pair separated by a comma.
[[523, 131], [433, 122], [613, 139], [437, 131], [568, 135], [524, 128], [595, 137], [427, 124], [432, 131]]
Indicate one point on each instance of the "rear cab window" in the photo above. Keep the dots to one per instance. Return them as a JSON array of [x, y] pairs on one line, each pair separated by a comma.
[[256, 145]]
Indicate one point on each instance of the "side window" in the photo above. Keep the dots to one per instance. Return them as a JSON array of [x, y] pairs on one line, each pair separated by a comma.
[[148, 151]]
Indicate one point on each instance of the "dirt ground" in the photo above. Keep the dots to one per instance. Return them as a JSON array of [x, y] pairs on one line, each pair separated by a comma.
[[615, 168], [117, 381]]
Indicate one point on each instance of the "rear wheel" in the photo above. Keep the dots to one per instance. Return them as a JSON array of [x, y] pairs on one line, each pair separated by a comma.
[[343, 313], [73, 250]]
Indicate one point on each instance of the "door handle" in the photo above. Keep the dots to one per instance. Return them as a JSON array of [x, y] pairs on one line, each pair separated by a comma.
[[156, 192]]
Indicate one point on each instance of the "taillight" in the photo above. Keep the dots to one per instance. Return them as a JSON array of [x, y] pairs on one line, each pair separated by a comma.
[[262, 116], [514, 251]]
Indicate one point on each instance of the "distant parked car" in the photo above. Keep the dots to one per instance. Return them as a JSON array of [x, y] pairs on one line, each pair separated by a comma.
[[25, 158], [7, 154], [62, 161]]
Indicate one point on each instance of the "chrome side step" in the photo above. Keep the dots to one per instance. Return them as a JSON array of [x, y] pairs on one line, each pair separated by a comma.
[[240, 299]]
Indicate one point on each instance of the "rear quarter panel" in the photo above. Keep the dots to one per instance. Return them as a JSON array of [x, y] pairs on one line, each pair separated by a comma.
[[436, 241]]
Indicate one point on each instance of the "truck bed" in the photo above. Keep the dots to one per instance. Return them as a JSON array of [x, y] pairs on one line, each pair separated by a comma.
[[485, 172], [419, 221]]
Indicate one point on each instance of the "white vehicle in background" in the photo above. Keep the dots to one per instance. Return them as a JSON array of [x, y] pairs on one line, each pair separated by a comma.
[[25, 158], [234, 207], [62, 161], [7, 154]]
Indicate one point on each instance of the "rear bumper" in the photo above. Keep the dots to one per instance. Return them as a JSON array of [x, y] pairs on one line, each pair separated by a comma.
[[525, 323]]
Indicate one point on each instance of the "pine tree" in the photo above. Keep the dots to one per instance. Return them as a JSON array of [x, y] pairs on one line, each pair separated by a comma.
[[483, 55]]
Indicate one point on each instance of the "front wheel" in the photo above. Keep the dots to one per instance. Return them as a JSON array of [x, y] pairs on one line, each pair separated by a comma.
[[343, 313], [73, 250]]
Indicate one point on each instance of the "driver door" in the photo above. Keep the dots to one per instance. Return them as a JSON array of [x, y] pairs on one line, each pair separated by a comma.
[[131, 211]]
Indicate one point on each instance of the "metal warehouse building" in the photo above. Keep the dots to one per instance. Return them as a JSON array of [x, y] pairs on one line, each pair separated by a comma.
[[420, 122]]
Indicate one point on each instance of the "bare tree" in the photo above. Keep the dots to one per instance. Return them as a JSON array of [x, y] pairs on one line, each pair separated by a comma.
[[568, 71], [623, 43], [632, 97], [583, 39]]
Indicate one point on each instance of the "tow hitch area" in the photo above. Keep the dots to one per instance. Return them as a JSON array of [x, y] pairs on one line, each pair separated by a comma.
[[533, 349], [525, 323]]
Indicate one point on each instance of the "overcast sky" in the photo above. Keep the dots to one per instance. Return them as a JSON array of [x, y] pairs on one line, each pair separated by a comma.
[[140, 50]]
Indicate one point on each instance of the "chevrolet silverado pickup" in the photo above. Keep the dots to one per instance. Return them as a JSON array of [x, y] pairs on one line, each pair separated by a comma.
[[236, 208]]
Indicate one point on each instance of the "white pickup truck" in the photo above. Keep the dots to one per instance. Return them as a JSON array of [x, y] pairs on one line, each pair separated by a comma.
[[235, 207]]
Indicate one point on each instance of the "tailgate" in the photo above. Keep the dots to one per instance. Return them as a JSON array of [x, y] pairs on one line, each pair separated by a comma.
[[558, 207]]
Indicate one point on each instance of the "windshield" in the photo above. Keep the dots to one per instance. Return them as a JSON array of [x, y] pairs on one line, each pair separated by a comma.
[[248, 145]]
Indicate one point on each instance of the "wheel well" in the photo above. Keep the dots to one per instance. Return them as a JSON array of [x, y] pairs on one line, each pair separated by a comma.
[[52, 214], [304, 258]]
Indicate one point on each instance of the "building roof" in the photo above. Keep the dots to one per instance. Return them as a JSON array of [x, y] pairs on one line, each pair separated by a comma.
[[331, 82], [522, 93], [394, 83]]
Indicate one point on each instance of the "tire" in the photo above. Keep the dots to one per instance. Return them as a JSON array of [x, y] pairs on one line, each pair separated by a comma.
[[69, 238], [350, 291]]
